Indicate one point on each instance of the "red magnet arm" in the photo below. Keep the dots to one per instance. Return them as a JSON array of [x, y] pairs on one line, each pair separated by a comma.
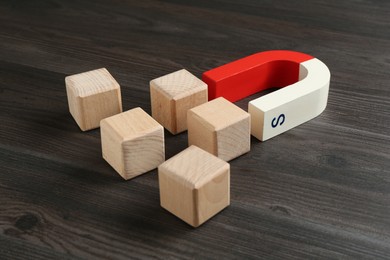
[[247, 76]]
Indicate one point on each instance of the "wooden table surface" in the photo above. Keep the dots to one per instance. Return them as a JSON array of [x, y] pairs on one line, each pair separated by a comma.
[[320, 190]]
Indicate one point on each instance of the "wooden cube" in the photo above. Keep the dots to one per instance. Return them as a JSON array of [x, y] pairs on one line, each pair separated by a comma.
[[219, 127], [132, 142], [172, 95], [194, 185], [92, 96]]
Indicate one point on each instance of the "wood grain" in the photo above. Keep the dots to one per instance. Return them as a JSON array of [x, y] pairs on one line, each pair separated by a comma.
[[93, 96], [172, 95], [132, 142], [194, 185], [219, 127], [320, 190]]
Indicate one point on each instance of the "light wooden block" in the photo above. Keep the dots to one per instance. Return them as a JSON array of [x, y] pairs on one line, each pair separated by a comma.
[[219, 127], [172, 95], [194, 185], [132, 142], [93, 96]]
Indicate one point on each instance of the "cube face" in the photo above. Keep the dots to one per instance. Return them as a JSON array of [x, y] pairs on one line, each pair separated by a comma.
[[172, 95], [219, 127], [143, 154], [111, 147], [177, 198], [75, 108], [213, 197], [93, 96], [201, 134], [132, 142], [194, 185], [182, 105], [234, 140], [163, 109], [99, 106]]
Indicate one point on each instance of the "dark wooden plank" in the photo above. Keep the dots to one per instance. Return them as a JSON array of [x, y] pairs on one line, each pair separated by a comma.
[[321, 190]]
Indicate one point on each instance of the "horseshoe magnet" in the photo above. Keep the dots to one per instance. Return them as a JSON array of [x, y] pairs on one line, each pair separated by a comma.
[[303, 96]]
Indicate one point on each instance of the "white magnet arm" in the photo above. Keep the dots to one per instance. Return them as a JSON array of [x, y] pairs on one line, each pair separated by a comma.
[[292, 105]]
